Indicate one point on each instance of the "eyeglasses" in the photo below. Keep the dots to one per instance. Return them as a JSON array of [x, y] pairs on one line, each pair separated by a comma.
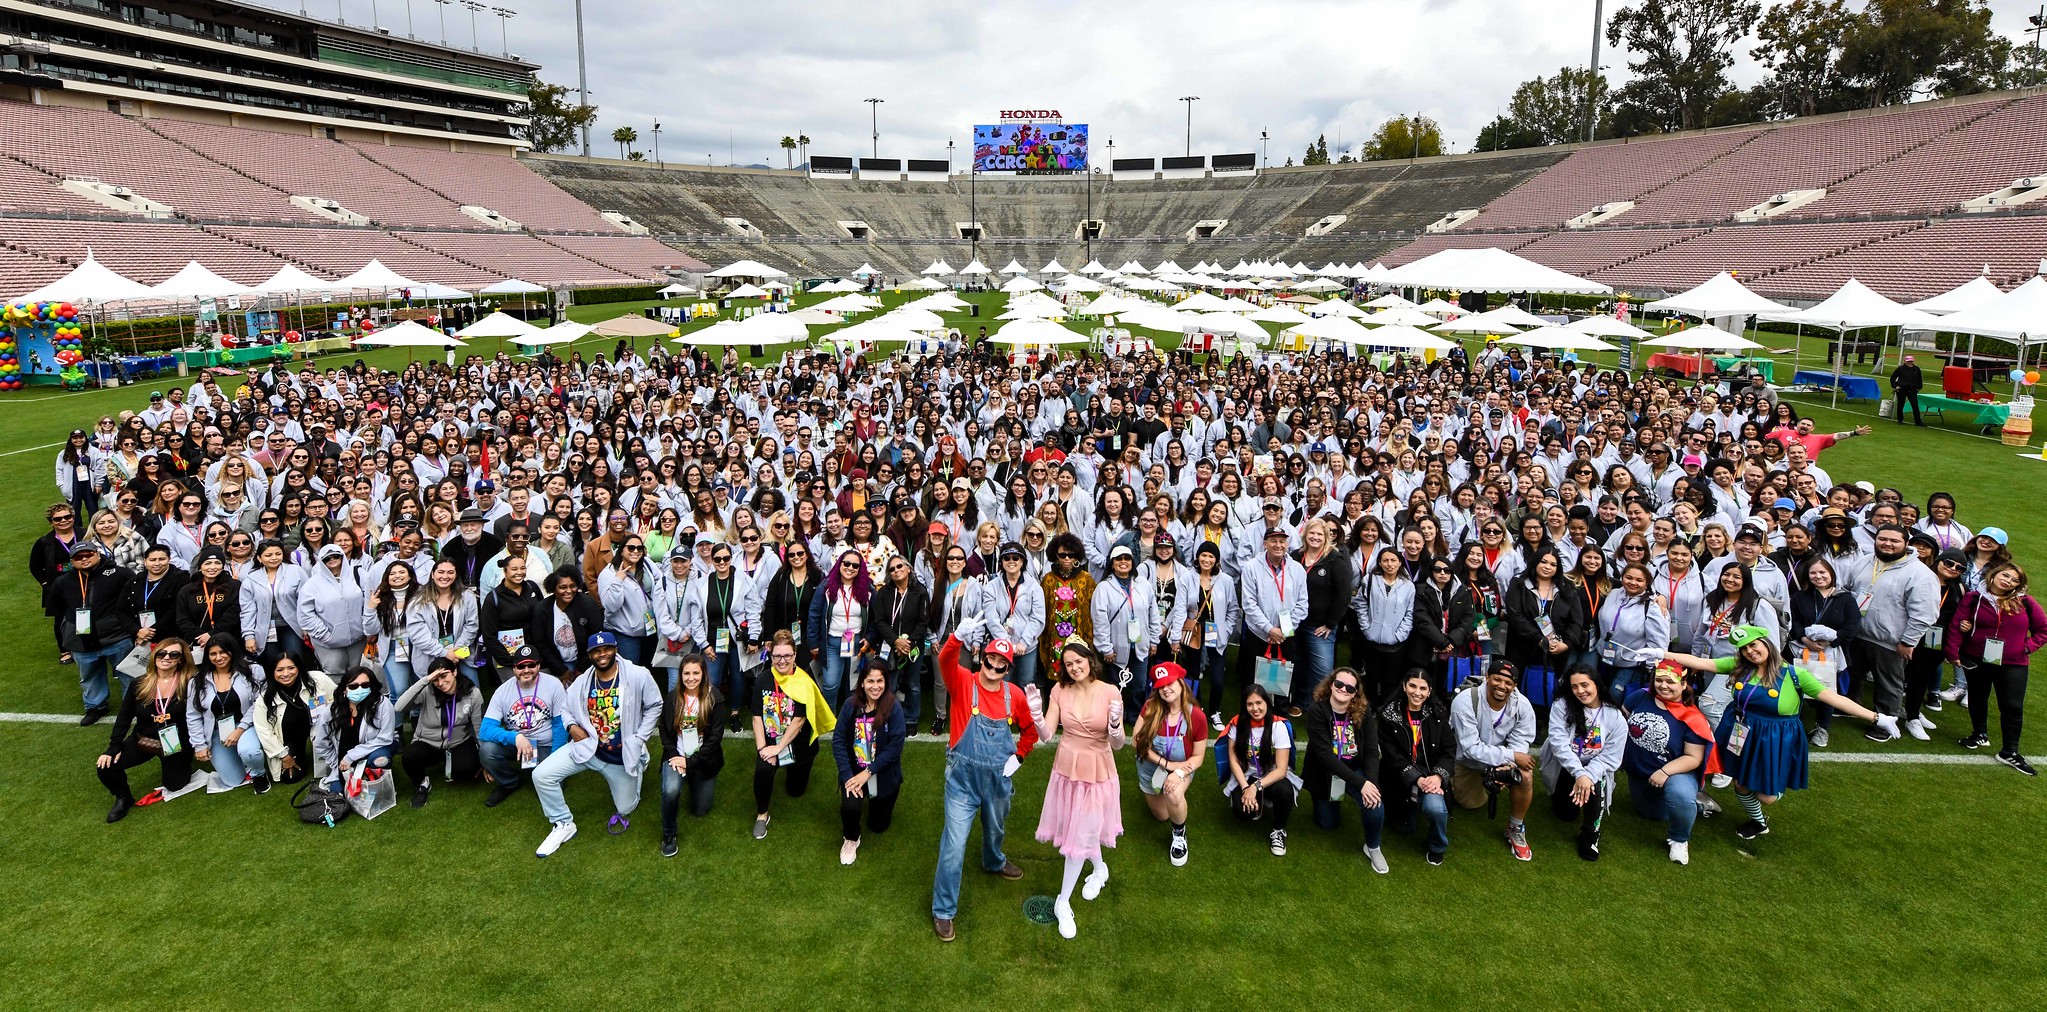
[[1344, 687]]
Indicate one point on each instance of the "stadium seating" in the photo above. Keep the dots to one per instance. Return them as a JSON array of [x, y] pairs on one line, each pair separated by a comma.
[[300, 165], [334, 252], [1981, 157], [1602, 173], [147, 252], [1752, 252], [116, 150], [486, 180], [1923, 262]]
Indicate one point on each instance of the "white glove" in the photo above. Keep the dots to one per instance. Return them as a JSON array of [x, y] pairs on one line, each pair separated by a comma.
[[1821, 633], [1010, 766], [1035, 700], [1888, 723], [968, 629]]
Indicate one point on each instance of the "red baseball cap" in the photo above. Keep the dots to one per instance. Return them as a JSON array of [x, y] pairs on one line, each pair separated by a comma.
[[1166, 673], [1000, 648]]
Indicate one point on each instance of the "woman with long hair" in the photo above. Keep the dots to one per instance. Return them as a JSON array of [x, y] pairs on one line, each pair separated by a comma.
[[1759, 738], [1669, 752], [291, 703], [1171, 741], [1629, 631], [441, 619], [1582, 752], [384, 625], [1824, 620], [692, 746], [1343, 758], [1260, 783], [1082, 812], [221, 717], [448, 731], [152, 723], [838, 614], [868, 749], [1995, 631]]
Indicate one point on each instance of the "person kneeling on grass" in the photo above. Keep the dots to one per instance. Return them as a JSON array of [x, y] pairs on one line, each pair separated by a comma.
[[692, 745], [1760, 738], [221, 719], [151, 724], [868, 748], [1495, 728], [1171, 737], [790, 715], [287, 710], [1670, 749], [359, 728], [1259, 780], [1419, 754], [1581, 754], [522, 725], [613, 707], [1343, 758], [444, 738]]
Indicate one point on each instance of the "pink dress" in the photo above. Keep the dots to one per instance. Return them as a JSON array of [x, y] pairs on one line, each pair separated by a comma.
[[1083, 801]]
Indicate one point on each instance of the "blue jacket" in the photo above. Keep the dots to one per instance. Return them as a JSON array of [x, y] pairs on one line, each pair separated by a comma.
[[889, 735]]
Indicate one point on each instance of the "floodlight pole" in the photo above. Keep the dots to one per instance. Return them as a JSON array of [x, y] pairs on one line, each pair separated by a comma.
[[1592, 70], [582, 76], [874, 122], [1190, 100]]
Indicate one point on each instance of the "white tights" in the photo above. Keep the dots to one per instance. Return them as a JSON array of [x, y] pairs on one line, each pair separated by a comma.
[[1073, 867]]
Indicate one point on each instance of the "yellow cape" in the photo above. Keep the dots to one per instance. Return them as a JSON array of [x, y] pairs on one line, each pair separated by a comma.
[[799, 687]]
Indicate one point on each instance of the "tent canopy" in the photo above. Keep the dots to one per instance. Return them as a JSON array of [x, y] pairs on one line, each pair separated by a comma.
[[865, 270], [677, 288], [561, 333], [1607, 326], [1705, 337], [1977, 291], [1035, 332], [1559, 339], [499, 325], [1488, 270], [290, 279], [1720, 296], [748, 291], [90, 281], [2021, 315], [976, 267], [747, 269], [630, 325], [375, 277], [511, 286], [194, 281], [1857, 306], [1012, 267], [408, 334]]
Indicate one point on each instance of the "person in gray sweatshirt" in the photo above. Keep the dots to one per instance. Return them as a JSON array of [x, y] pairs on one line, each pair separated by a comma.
[[1495, 729], [1900, 603], [330, 607], [1630, 633], [444, 738]]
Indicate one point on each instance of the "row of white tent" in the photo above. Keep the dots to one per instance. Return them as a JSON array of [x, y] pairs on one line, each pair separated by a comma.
[[94, 282]]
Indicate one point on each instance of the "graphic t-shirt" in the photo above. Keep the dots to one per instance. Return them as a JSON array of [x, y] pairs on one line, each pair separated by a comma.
[[603, 704], [1654, 736], [777, 710]]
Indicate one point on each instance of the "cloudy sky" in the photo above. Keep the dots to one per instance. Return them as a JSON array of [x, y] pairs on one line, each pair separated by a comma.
[[736, 77]]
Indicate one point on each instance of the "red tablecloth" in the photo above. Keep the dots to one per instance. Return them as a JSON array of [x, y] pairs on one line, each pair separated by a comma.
[[1688, 365]]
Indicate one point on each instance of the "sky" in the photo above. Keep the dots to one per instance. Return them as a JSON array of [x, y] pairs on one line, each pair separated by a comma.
[[727, 81]]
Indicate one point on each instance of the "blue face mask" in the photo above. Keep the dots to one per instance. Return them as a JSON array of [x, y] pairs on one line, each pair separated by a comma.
[[357, 695]]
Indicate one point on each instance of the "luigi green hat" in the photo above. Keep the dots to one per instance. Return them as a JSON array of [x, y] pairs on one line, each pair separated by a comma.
[[1745, 635]]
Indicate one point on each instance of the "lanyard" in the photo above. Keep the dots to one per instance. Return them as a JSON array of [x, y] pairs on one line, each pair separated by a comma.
[[446, 618], [206, 595], [527, 704], [1279, 581], [148, 590]]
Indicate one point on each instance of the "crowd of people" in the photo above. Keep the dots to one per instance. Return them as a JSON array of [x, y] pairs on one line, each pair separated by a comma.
[[1404, 589]]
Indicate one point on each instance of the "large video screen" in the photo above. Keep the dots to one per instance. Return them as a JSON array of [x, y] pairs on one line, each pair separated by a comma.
[[1030, 147]]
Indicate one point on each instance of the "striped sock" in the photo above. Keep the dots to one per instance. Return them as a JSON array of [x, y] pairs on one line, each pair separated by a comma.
[[1751, 804]]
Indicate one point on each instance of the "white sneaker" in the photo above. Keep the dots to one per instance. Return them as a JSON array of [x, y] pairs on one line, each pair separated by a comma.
[[562, 833], [1177, 850], [1091, 887], [1681, 852], [1818, 738], [1952, 694], [1278, 843], [848, 850], [1932, 703], [1063, 910], [1926, 723], [1917, 729], [1722, 780], [1378, 859]]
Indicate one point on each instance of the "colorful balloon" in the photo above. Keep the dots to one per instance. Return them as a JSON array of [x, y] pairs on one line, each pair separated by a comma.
[[2032, 376]]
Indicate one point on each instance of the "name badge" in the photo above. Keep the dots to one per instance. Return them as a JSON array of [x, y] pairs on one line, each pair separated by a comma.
[[1135, 632], [1286, 625], [1211, 636], [148, 619], [846, 644], [1993, 651], [82, 618], [1549, 629], [689, 741], [722, 640], [1336, 788], [1609, 652], [886, 647], [173, 742], [1737, 737], [1932, 638]]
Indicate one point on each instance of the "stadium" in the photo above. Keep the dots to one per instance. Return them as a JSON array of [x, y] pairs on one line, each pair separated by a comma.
[[200, 188]]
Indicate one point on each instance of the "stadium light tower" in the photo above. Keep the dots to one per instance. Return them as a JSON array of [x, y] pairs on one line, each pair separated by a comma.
[[1190, 100], [443, 5], [582, 76], [874, 122], [1592, 82], [1264, 148], [505, 16], [657, 143], [948, 157], [475, 46]]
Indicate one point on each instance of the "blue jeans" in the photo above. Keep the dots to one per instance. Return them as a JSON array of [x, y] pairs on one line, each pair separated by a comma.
[[832, 673], [502, 762], [1329, 813], [725, 674], [700, 795], [1676, 802], [559, 766], [1623, 679], [234, 763], [635, 648], [378, 759], [398, 675], [1436, 809], [1025, 669], [96, 671], [1317, 660]]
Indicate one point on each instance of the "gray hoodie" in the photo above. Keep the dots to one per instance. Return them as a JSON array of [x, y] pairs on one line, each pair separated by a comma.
[[1481, 741], [1900, 601]]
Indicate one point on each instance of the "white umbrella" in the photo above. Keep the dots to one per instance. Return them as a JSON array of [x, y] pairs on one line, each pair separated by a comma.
[[499, 325], [1110, 305], [1020, 284], [976, 267], [1389, 301], [1332, 328], [1487, 270], [677, 288], [1559, 339], [1153, 317], [408, 334], [1132, 267], [1031, 311], [747, 291], [1015, 268], [1230, 324], [847, 304], [748, 269], [566, 332], [1337, 307], [938, 268], [1202, 302], [914, 319], [840, 286], [874, 331], [1400, 316], [1318, 285], [763, 328], [1076, 283], [1053, 268], [511, 286], [924, 285], [1607, 326], [1477, 323], [1438, 307], [1166, 267], [1281, 313], [1020, 333], [1405, 337], [939, 302], [816, 317]]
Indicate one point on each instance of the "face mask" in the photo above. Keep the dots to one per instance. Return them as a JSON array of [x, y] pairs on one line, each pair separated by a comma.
[[357, 695]]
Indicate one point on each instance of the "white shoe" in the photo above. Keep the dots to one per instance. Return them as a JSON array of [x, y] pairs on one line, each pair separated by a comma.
[[1952, 694], [1176, 851], [1818, 738], [1722, 780], [1091, 887], [1917, 729], [848, 850], [1063, 910], [1932, 704], [1707, 806], [1681, 852], [562, 833], [1926, 723], [216, 784], [1278, 838], [1378, 859]]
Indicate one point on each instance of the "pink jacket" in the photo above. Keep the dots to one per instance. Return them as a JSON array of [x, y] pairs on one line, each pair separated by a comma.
[[2022, 631]]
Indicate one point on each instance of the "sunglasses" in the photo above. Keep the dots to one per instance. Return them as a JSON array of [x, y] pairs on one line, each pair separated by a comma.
[[527, 666], [1344, 687], [722, 557], [360, 685], [170, 655]]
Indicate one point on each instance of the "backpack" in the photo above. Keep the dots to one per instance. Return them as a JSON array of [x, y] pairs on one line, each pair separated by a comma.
[[321, 806]]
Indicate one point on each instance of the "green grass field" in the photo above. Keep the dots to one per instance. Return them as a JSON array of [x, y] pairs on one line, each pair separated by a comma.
[[1887, 886]]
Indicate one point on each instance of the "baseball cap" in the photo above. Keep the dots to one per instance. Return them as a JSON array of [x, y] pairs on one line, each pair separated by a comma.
[[486, 485], [1745, 635], [1166, 673], [1865, 488], [1996, 534], [601, 639], [1012, 550], [1784, 504], [524, 655], [1121, 552], [1002, 648]]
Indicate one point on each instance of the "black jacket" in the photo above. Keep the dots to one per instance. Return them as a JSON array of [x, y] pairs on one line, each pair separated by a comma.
[[46, 559], [502, 610], [1322, 761], [161, 599], [1907, 379], [909, 621], [710, 757], [586, 616], [889, 736], [1329, 590], [105, 591], [787, 608], [1436, 625], [224, 622], [1402, 763], [1524, 628]]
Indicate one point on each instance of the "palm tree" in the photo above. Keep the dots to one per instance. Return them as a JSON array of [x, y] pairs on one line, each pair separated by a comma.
[[803, 141], [788, 152], [625, 136]]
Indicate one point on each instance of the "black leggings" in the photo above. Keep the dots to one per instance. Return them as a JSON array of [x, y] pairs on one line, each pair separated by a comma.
[[881, 812], [799, 776], [422, 760], [2009, 682], [177, 770], [1587, 816], [1276, 801]]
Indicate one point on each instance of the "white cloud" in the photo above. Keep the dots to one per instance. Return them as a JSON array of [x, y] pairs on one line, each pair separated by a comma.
[[757, 70]]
